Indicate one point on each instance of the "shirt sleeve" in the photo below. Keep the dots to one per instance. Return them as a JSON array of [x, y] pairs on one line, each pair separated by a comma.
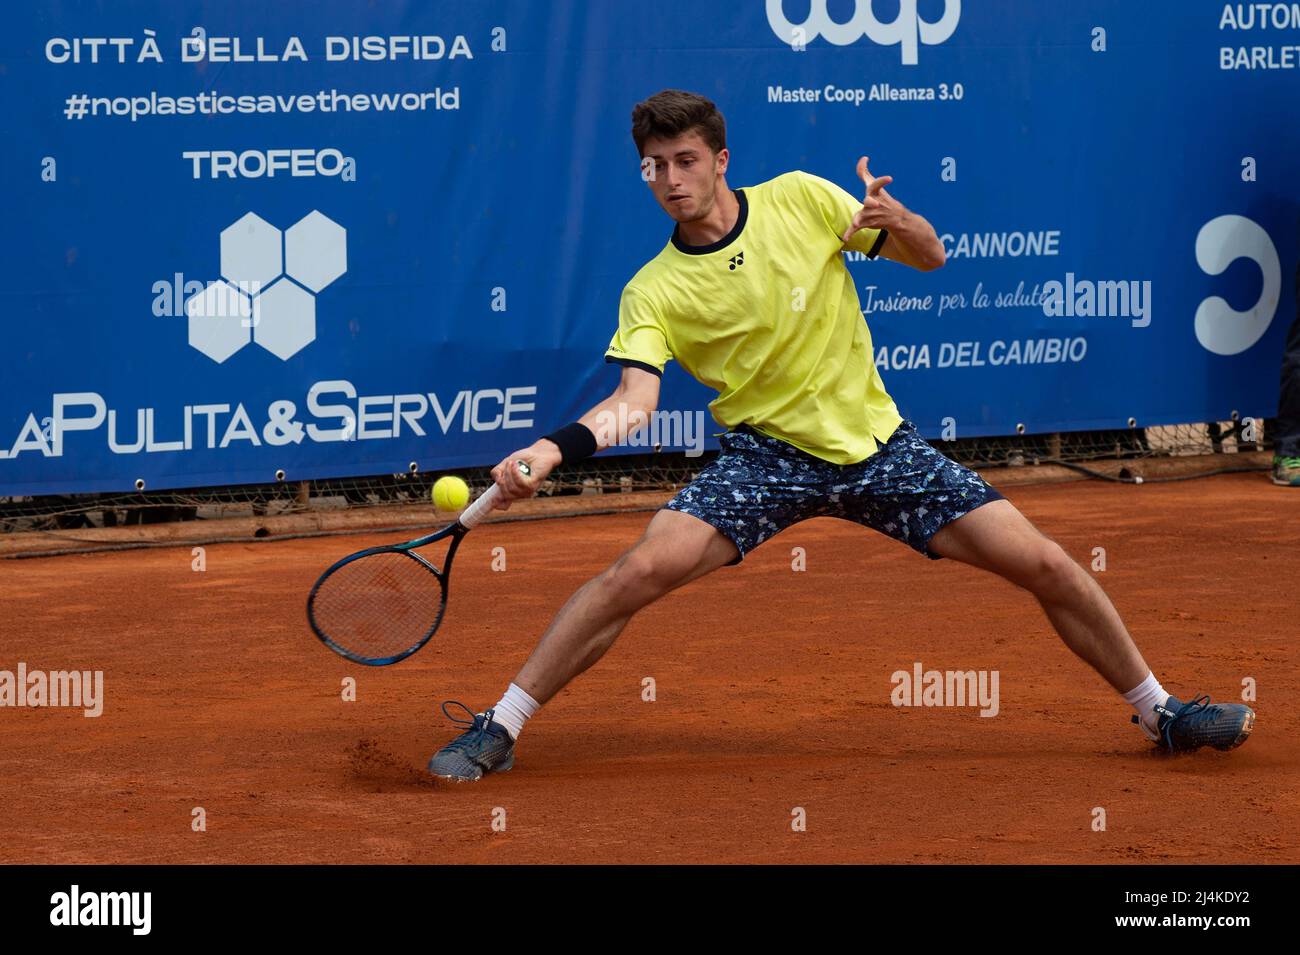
[[641, 339], [836, 207]]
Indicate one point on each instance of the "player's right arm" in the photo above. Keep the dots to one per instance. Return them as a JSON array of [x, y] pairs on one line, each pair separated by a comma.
[[612, 421], [640, 345], [626, 411]]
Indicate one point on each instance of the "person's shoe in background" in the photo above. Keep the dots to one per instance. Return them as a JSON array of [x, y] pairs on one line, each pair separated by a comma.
[[1286, 471]]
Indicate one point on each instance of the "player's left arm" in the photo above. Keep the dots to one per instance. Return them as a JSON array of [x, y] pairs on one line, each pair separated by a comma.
[[909, 238]]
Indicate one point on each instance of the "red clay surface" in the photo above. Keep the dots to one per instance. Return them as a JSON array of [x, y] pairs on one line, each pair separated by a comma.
[[773, 693]]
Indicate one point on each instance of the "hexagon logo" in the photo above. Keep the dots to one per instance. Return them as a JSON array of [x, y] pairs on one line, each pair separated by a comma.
[[268, 283], [219, 320], [284, 319], [250, 253], [315, 251]]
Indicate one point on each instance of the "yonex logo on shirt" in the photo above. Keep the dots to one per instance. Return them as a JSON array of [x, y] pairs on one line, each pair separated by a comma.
[[736, 261]]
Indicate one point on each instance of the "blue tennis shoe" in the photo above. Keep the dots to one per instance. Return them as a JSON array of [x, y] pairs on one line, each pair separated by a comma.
[[485, 747], [1181, 727]]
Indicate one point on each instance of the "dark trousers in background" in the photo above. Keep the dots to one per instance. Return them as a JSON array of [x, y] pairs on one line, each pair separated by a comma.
[[1286, 441]]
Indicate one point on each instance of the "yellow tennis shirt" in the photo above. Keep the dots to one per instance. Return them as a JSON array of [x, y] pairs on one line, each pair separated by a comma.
[[769, 317]]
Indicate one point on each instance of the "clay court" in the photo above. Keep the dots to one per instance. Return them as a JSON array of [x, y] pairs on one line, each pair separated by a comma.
[[773, 692]]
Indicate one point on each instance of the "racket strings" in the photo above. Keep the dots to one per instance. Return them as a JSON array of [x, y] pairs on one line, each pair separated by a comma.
[[378, 606]]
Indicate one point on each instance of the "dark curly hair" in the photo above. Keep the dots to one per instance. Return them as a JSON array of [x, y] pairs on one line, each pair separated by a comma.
[[670, 113]]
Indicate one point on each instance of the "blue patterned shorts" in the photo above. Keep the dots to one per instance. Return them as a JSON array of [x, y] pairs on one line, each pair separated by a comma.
[[760, 485]]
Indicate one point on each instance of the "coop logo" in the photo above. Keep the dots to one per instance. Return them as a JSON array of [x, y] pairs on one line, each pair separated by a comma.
[[269, 282], [905, 30], [1219, 327]]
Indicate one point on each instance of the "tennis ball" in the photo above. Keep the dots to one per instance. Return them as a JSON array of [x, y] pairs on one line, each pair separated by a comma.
[[450, 494]]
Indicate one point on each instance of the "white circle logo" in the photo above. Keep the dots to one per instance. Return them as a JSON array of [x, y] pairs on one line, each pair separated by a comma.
[[1219, 327]]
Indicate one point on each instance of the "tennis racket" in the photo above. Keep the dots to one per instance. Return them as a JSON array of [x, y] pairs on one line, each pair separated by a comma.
[[381, 604]]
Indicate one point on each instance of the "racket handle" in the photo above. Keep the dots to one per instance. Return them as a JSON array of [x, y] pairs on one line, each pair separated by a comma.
[[475, 513]]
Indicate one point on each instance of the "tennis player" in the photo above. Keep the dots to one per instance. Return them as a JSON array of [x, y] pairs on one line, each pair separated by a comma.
[[751, 295]]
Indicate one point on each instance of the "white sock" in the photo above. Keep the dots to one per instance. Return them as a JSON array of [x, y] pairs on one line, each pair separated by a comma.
[[1144, 698], [515, 709]]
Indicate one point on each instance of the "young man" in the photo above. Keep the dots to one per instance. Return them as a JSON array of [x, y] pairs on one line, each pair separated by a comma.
[[751, 295]]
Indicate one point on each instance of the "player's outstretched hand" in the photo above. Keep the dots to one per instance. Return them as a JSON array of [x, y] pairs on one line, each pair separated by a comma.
[[514, 485], [879, 209]]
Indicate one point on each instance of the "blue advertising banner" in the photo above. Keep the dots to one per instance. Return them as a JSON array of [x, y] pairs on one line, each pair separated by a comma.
[[337, 238]]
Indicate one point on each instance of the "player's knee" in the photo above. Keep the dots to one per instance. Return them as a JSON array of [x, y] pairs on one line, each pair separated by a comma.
[[640, 575], [1052, 572]]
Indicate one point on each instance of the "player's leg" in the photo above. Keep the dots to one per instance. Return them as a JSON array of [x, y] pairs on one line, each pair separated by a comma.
[[996, 537], [750, 492], [913, 493], [675, 549]]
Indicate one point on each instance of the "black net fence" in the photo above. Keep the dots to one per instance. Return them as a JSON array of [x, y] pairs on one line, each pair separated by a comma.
[[604, 474]]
